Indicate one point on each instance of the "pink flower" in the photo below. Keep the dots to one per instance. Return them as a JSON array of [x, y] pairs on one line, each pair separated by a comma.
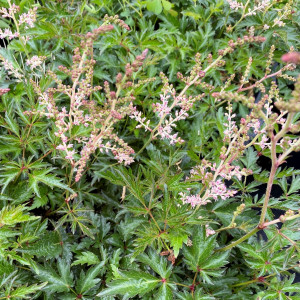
[[209, 231], [7, 33], [291, 57], [28, 18], [8, 66], [235, 5], [218, 189], [194, 200], [10, 12], [124, 158], [35, 61], [162, 108], [263, 143], [70, 154], [61, 147], [4, 91]]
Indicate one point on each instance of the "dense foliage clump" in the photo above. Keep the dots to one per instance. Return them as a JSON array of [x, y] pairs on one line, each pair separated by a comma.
[[145, 149]]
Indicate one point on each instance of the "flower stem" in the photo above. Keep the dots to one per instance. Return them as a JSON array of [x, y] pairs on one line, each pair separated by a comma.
[[270, 181], [237, 242], [175, 103]]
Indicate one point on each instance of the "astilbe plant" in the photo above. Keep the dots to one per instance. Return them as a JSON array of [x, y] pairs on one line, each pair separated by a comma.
[[86, 126], [264, 123], [237, 136], [262, 128], [182, 223], [180, 104]]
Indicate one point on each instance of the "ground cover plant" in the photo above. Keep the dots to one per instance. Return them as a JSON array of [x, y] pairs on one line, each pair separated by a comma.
[[148, 149]]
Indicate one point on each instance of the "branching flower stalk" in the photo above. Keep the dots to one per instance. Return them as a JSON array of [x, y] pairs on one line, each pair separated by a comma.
[[261, 6], [185, 103], [289, 146], [209, 173], [26, 18], [281, 219], [83, 112]]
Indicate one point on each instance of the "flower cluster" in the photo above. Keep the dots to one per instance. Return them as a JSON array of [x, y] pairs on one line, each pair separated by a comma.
[[259, 124], [174, 106], [208, 231], [35, 61], [235, 5], [10, 12], [4, 91], [84, 114], [11, 70], [212, 179], [259, 7], [262, 6], [283, 14], [7, 33], [28, 19], [256, 126]]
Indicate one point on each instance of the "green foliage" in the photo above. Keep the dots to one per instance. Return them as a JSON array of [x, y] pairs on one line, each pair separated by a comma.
[[124, 232], [10, 216]]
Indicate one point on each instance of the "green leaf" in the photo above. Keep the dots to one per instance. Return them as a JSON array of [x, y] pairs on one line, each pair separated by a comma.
[[50, 180], [166, 5], [5, 267], [131, 284], [48, 246], [177, 237], [3, 24], [199, 295], [295, 185], [201, 250], [7, 176], [86, 257], [24, 291], [250, 159], [39, 202], [12, 124], [215, 261], [157, 263], [88, 280], [57, 282], [251, 251], [164, 292], [155, 6], [10, 215]]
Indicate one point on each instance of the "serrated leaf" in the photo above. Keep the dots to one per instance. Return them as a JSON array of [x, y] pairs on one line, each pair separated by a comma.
[[57, 282], [7, 176], [157, 263], [215, 261], [39, 202], [177, 237], [24, 291], [12, 124], [47, 246], [250, 159], [10, 215], [250, 251], [295, 185], [50, 180], [88, 280], [201, 250], [86, 257], [164, 292], [6, 267], [131, 284]]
